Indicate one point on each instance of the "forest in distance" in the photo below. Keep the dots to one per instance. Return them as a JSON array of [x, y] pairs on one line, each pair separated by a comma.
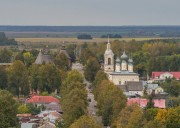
[[94, 31]]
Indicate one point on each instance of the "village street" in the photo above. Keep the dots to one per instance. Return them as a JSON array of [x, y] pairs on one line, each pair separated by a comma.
[[92, 103]]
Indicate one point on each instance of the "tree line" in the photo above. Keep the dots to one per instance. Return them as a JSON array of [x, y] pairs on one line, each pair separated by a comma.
[[5, 41], [148, 56]]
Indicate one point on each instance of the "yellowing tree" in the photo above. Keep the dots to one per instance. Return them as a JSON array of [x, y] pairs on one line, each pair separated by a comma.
[[161, 115], [85, 122]]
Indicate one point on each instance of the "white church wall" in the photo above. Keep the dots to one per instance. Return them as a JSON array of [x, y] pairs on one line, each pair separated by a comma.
[[122, 79]]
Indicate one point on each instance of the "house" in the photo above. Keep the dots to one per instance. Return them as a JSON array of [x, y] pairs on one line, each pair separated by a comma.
[[42, 100], [142, 102], [48, 124], [154, 88], [29, 125], [50, 115], [161, 76], [43, 58], [53, 106]]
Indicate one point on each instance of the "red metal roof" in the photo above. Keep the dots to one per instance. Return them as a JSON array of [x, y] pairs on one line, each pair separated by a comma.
[[158, 103], [157, 74], [42, 99]]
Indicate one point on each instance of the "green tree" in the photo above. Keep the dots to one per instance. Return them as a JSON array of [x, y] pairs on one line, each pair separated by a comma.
[[150, 103], [154, 124], [74, 105], [62, 62], [50, 79], [91, 69], [3, 78], [33, 110], [8, 110], [85, 122], [35, 77], [23, 109], [85, 55], [110, 101], [100, 76], [130, 117], [172, 87], [28, 58], [5, 56], [18, 82], [74, 97], [173, 118]]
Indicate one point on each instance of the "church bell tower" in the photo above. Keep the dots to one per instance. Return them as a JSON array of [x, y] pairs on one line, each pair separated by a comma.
[[108, 59]]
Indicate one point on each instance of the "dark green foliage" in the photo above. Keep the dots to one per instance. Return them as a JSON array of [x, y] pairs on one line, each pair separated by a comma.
[[100, 76], [85, 55], [34, 110], [111, 36], [3, 78], [45, 78], [74, 98], [8, 110], [62, 62], [18, 83], [110, 101], [5, 56], [84, 36], [91, 69], [150, 113], [6, 41], [173, 102], [150, 103], [172, 87]]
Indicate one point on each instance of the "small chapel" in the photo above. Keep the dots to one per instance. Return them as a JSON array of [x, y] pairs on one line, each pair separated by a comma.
[[120, 71]]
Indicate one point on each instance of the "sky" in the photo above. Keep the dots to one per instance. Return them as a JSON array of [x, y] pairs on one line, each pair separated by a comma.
[[89, 12]]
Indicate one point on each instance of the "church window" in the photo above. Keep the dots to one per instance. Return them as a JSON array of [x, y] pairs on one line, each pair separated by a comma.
[[109, 61]]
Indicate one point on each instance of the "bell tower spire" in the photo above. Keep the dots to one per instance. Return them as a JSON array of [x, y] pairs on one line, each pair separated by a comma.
[[108, 59]]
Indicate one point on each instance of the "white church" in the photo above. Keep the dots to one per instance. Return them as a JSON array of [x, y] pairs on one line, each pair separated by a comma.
[[120, 72]]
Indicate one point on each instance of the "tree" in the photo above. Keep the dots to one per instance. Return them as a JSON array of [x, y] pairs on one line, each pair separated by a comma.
[[150, 103], [50, 79], [74, 97], [100, 76], [85, 55], [33, 110], [23, 109], [3, 78], [91, 69], [5, 56], [173, 118], [18, 82], [169, 117], [154, 124], [130, 117], [8, 110], [62, 62], [84, 36], [28, 58], [6, 41], [74, 105], [110, 101], [172, 87], [35, 78], [85, 122]]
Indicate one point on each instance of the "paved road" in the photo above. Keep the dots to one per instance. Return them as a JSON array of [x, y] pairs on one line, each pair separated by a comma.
[[92, 110]]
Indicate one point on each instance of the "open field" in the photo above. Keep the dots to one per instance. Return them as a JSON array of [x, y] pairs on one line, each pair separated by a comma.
[[55, 41]]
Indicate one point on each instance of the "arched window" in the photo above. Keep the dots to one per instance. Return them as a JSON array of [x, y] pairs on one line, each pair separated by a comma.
[[109, 61]]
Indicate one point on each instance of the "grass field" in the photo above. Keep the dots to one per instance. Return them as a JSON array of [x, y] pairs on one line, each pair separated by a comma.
[[54, 41]]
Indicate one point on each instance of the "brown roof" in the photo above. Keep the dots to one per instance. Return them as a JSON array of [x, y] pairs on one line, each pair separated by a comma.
[[134, 86], [43, 58]]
